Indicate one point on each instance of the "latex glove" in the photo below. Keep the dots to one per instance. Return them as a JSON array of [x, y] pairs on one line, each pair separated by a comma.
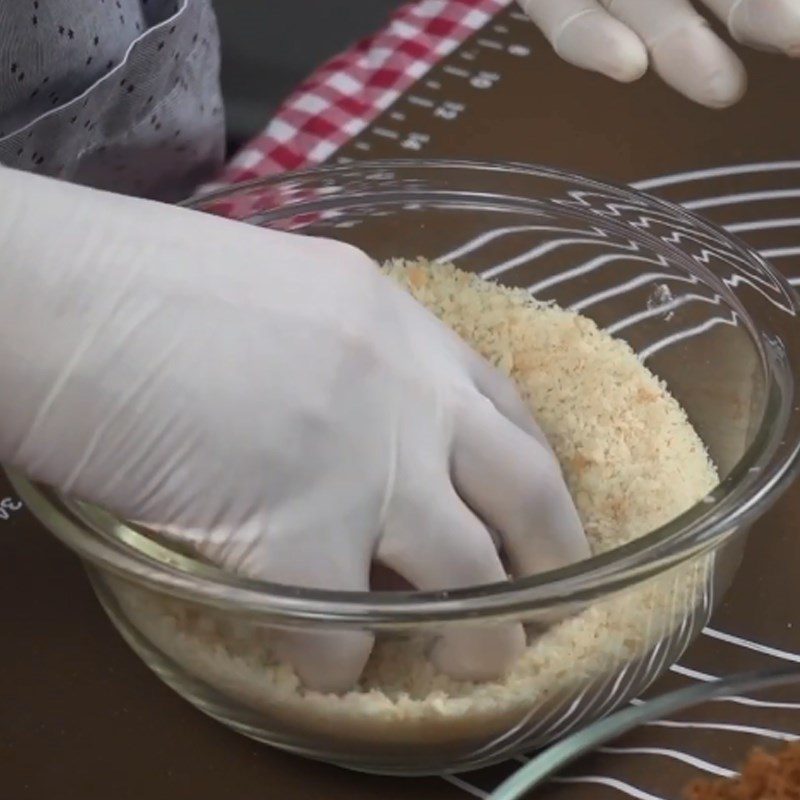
[[272, 400], [619, 37]]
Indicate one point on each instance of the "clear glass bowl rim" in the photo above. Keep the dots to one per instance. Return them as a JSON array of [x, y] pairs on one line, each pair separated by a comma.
[[553, 759], [774, 457]]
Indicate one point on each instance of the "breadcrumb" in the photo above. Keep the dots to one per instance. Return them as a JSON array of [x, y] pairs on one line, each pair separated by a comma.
[[632, 461], [764, 776]]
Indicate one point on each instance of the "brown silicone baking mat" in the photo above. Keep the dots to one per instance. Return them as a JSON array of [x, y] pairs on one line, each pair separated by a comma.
[[81, 717]]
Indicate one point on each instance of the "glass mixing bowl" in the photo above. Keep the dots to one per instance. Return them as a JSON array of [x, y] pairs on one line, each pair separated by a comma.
[[704, 312]]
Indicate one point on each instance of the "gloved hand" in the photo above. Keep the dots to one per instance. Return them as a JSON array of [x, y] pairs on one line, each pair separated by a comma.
[[272, 400], [619, 37]]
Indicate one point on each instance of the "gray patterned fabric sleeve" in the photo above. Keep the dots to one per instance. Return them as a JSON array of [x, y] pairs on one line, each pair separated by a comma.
[[117, 94]]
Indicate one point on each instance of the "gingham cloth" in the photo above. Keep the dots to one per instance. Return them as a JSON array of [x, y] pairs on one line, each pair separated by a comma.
[[346, 93]]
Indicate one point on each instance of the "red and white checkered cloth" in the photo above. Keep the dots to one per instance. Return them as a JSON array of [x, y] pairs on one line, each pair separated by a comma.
[[345, 94]]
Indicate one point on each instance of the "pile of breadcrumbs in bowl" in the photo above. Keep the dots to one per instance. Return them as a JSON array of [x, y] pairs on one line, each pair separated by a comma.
[[632, 461]]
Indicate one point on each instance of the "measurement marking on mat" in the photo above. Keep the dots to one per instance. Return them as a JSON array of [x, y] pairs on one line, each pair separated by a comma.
[[518, 15], [415, 141], [466, 787], [520, 50], [765, 733], [386, 133], [457, 71], [490, 43], [433, 84], [416, 100], [484, 79], [500, 29], [613, 783], [9, 506], [362, 145], [677, 755], [780, 252], [748, 644], [449, 110], [397, 115]]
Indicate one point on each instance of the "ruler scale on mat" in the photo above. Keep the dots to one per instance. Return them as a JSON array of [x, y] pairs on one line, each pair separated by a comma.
[[425, 119], [502, 94]]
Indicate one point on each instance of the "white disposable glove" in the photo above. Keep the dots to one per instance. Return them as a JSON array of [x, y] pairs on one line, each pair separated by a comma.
[[272, 400], [619, 37]]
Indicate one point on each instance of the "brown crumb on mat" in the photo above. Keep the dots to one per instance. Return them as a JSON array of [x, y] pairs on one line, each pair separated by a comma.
[[764, 776]]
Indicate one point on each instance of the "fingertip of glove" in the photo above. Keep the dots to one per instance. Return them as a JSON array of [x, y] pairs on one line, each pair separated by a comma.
[[625, 56], [479, 654], [627, 68], [695, 62], [722, 88], [328, 662], [725, 89], [604, 45], [771, 25]]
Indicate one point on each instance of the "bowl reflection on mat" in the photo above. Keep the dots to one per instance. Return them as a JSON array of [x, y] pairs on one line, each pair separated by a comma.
[[704, 312]]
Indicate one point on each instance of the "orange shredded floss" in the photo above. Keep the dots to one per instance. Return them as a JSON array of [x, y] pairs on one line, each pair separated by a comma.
[[764, 776]]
